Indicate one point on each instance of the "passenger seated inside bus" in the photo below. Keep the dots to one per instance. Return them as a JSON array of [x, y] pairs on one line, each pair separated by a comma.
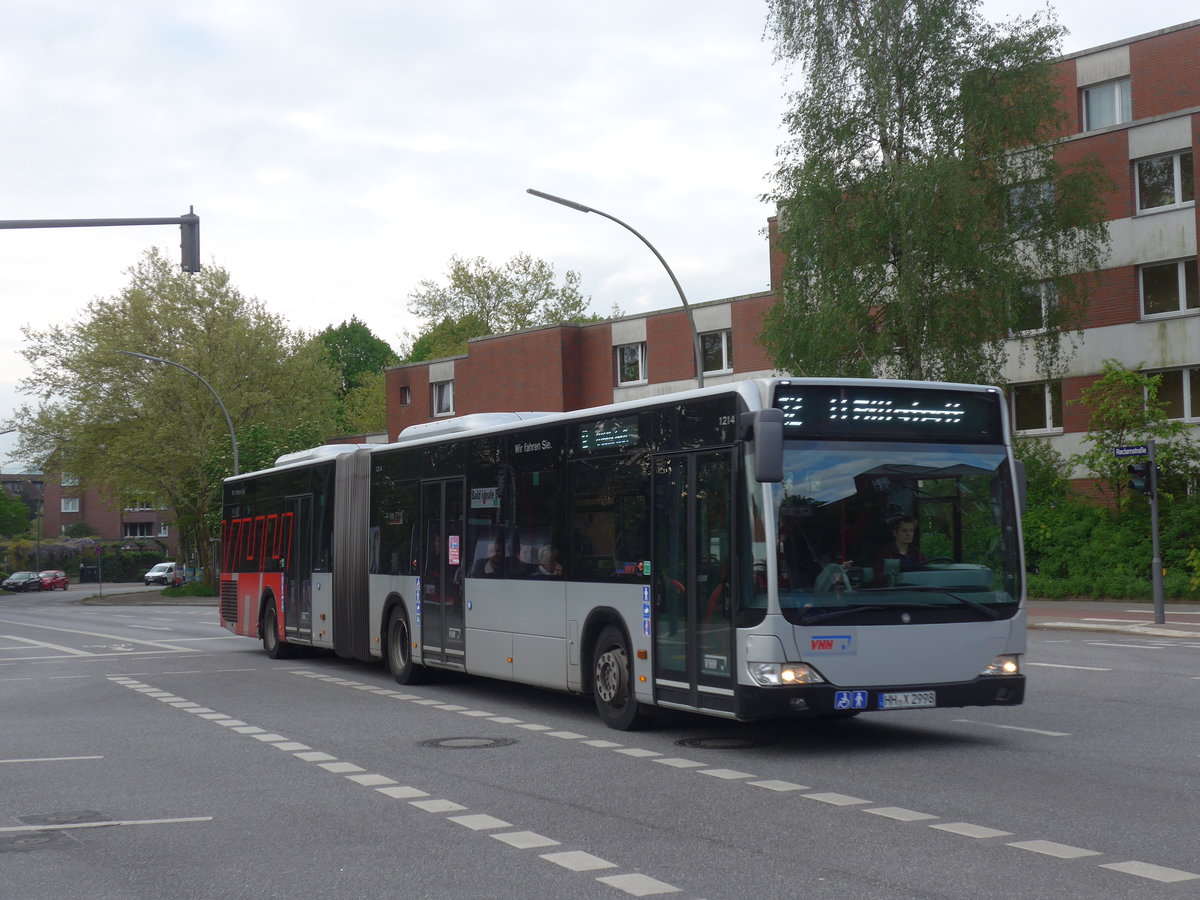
[[548, 565], [492, 565]]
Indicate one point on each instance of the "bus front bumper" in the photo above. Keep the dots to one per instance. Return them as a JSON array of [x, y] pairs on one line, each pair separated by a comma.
[[836, 700]]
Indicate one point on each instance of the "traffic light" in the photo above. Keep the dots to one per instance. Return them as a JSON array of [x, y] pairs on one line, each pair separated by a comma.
[[189, 241], [1139, 477]]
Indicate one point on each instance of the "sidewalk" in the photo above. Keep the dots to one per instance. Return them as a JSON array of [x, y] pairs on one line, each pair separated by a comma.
[[1115, 616]]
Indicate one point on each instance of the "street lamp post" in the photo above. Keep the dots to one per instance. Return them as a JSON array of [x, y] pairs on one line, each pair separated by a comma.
[[224, 411], [675, 281]]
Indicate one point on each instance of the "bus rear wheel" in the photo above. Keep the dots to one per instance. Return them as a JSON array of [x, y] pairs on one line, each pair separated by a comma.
[[269, 628], [399, 650], [612, 683]]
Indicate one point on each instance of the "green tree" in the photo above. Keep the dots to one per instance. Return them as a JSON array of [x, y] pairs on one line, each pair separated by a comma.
[[1125, 410], [364, 408], [14, 515], [139, 430], [358, 357], [479, 298], [922, 209]]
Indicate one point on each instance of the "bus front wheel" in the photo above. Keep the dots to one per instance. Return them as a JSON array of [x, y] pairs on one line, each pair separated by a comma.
[[276, 649], [612, 683], [399, 650]]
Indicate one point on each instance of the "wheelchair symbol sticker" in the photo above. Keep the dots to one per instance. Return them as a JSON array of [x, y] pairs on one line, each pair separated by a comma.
[[850, 700]]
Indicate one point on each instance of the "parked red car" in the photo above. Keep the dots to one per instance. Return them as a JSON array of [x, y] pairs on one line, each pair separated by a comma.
[[53, 579]]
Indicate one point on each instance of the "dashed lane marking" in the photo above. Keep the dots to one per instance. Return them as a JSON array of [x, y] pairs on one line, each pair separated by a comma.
[[633, 883], [899, 814]]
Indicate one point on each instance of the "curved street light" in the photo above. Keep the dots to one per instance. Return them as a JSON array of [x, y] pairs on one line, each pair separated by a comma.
[[675, 281], [224, 411]]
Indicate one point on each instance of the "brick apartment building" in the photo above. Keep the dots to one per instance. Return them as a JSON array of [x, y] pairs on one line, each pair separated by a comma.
[[64, 504], [1134, 104]]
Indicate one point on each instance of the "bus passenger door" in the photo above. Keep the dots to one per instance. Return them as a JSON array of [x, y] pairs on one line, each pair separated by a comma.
[[692, 575], [441, 615], [296, 540]]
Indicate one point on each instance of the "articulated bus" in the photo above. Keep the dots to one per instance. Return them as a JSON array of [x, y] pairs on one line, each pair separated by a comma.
[[767, 548]]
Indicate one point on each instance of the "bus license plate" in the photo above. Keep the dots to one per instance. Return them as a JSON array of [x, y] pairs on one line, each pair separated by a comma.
[[908, 700]]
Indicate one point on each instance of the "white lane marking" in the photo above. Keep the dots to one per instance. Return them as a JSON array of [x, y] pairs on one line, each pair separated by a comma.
[[835, 799], [565, 735], [577, 861], [637, 752], [1061, 666], [1015, 728], [1125, 646], [151, 627], [506, 720], [371, 780], [480, 822], [402, 793], [639, 885], [530, 727], [97, 634], [676, 762], [1174, 612], [44, 645], [20, 828], [603, 745], [966, 829], [727, 774], [291, 746], [526, 840], [311, 755], [341, 768], [1147, 870], [435, 806], [1050, 848], [900, 814], [476, 713], [49, 759], [773, 785]]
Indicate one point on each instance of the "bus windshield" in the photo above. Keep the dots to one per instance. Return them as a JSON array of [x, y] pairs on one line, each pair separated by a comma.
[[868, 528]]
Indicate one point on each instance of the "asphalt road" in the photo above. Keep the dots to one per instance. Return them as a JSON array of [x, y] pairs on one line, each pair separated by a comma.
[[146, 753]]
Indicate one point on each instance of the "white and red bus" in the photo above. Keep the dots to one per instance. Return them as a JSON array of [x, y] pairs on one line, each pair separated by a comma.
[[764, 548]]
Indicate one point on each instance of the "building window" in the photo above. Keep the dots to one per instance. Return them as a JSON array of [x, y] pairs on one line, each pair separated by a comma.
[[631, 363], [70, 504], [716, 351], [443, 398], [137, 529], [1029, 205], [1169, 288], [1106, 104], [1033, 307], [1165, 181], [1037, 407], [69, 480], [164, 530], [1179, 393], [405, 395]]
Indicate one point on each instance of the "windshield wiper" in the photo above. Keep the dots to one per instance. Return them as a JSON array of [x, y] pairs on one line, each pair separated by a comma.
[[979, 607], [838, 613]]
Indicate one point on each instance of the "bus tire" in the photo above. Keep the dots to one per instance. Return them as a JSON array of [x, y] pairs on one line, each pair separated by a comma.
[[612, 683], [269, 629], [399, 650]]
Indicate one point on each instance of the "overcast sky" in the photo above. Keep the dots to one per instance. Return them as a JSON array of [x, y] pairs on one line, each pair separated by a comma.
[[339, 153]]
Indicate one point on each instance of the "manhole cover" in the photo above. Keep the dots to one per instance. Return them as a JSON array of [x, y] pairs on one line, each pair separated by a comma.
[[468, 743], [723, 743]]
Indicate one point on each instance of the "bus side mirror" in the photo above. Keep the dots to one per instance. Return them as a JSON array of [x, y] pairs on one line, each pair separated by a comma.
[[765, 429]]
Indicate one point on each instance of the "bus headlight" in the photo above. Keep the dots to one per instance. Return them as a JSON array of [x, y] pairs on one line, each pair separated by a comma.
[[1004, 664], [783, 674]]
